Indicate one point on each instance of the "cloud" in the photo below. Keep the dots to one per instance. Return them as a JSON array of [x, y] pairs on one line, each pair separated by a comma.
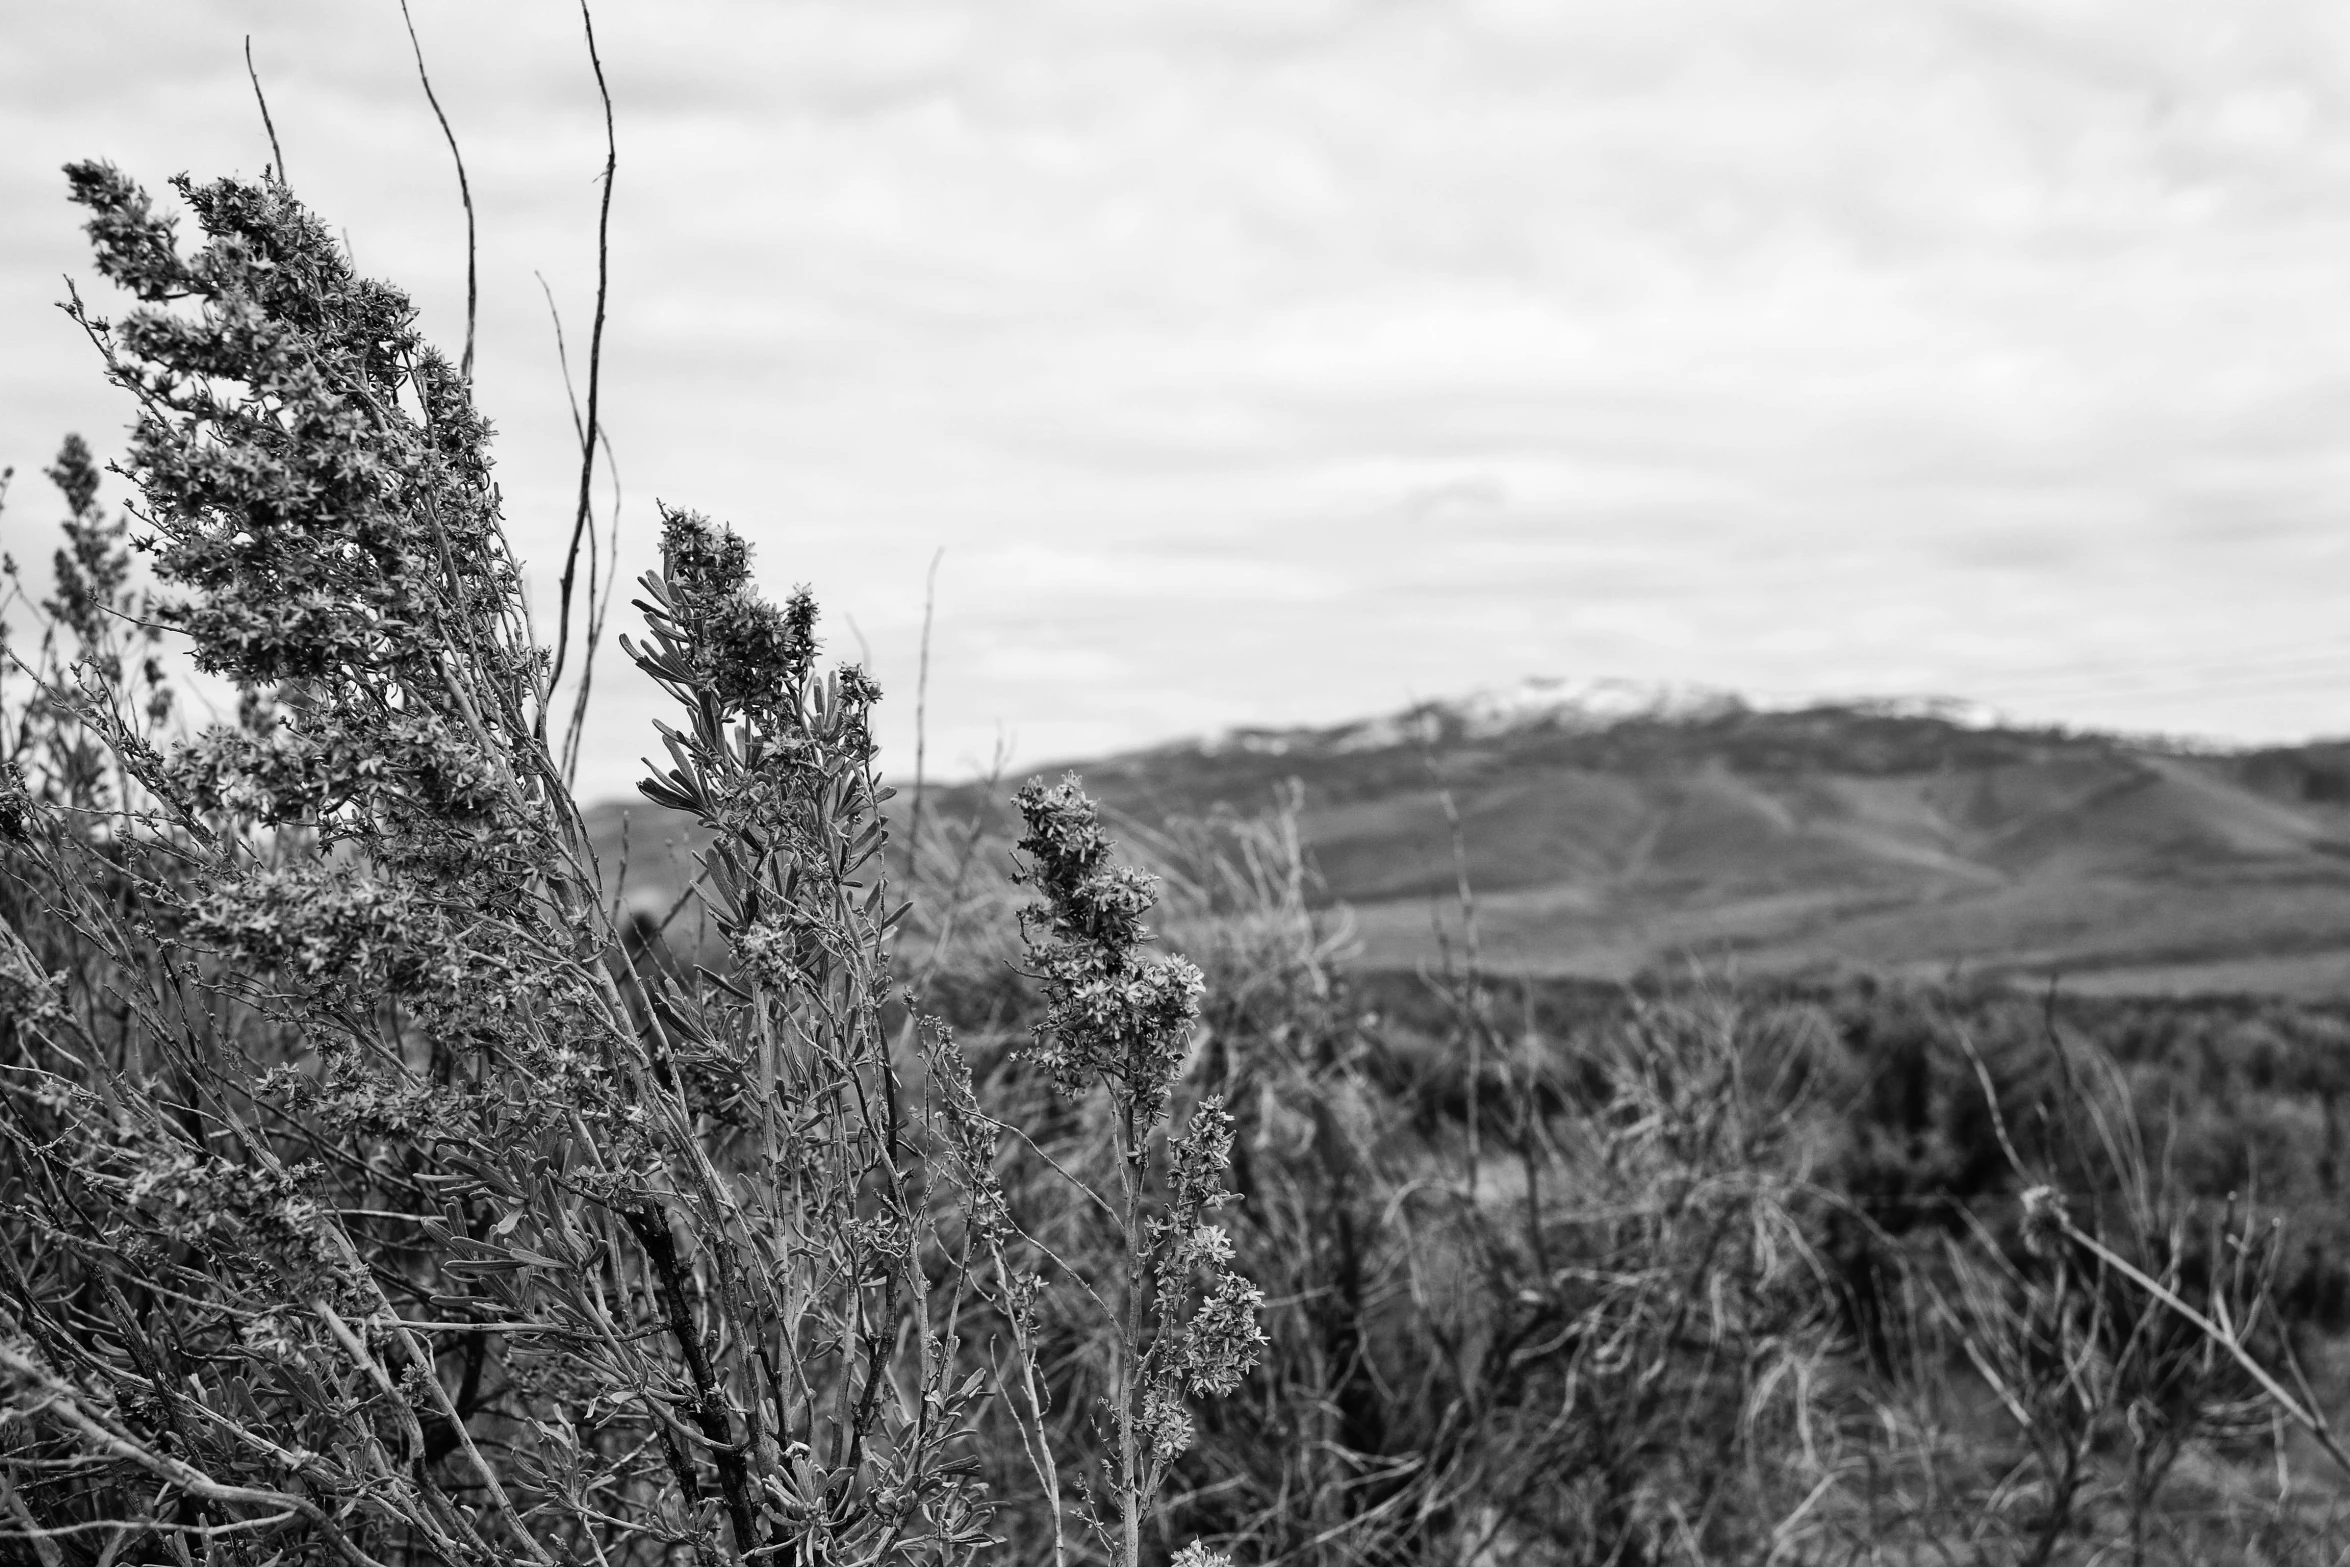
[[1271, 360]]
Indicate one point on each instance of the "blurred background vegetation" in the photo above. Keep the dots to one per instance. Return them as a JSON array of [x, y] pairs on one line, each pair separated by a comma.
[[1701, 1269]]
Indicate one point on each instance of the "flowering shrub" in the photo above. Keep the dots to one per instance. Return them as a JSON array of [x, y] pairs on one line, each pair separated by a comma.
[[1117, 1020], [369, 1190]]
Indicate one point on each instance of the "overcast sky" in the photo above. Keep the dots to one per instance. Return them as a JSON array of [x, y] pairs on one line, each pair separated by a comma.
[[1266, 361]]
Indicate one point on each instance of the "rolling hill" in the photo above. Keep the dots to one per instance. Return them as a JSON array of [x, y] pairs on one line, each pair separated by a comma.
[[1608, 832]]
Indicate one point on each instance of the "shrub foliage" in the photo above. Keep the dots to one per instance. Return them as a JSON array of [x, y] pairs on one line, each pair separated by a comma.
[[371, 1190]]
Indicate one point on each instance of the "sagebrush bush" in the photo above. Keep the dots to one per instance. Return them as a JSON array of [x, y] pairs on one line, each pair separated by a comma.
[[371, 1190]]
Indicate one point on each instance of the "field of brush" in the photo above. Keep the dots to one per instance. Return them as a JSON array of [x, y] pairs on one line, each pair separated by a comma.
[[1830, 1136], [1695, 1269], [1683, 1215]]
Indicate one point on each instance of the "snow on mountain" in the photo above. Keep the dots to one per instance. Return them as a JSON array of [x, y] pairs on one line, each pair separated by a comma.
[[1568, 706]]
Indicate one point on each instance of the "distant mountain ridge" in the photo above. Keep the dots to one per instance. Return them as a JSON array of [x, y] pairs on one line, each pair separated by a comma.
[[1550, 702], [1611, 829]]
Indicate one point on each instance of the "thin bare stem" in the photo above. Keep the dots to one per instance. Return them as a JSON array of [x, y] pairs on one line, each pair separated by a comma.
[[921, 722], [607, 560], [951, 906], [464, 191], [599, 602], [1472, 999], [588, 435], [562, 358], [277, 156], [1467, 894]]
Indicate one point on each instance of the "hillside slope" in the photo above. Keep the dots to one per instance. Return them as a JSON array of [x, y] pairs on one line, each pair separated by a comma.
[[1606, 838]]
